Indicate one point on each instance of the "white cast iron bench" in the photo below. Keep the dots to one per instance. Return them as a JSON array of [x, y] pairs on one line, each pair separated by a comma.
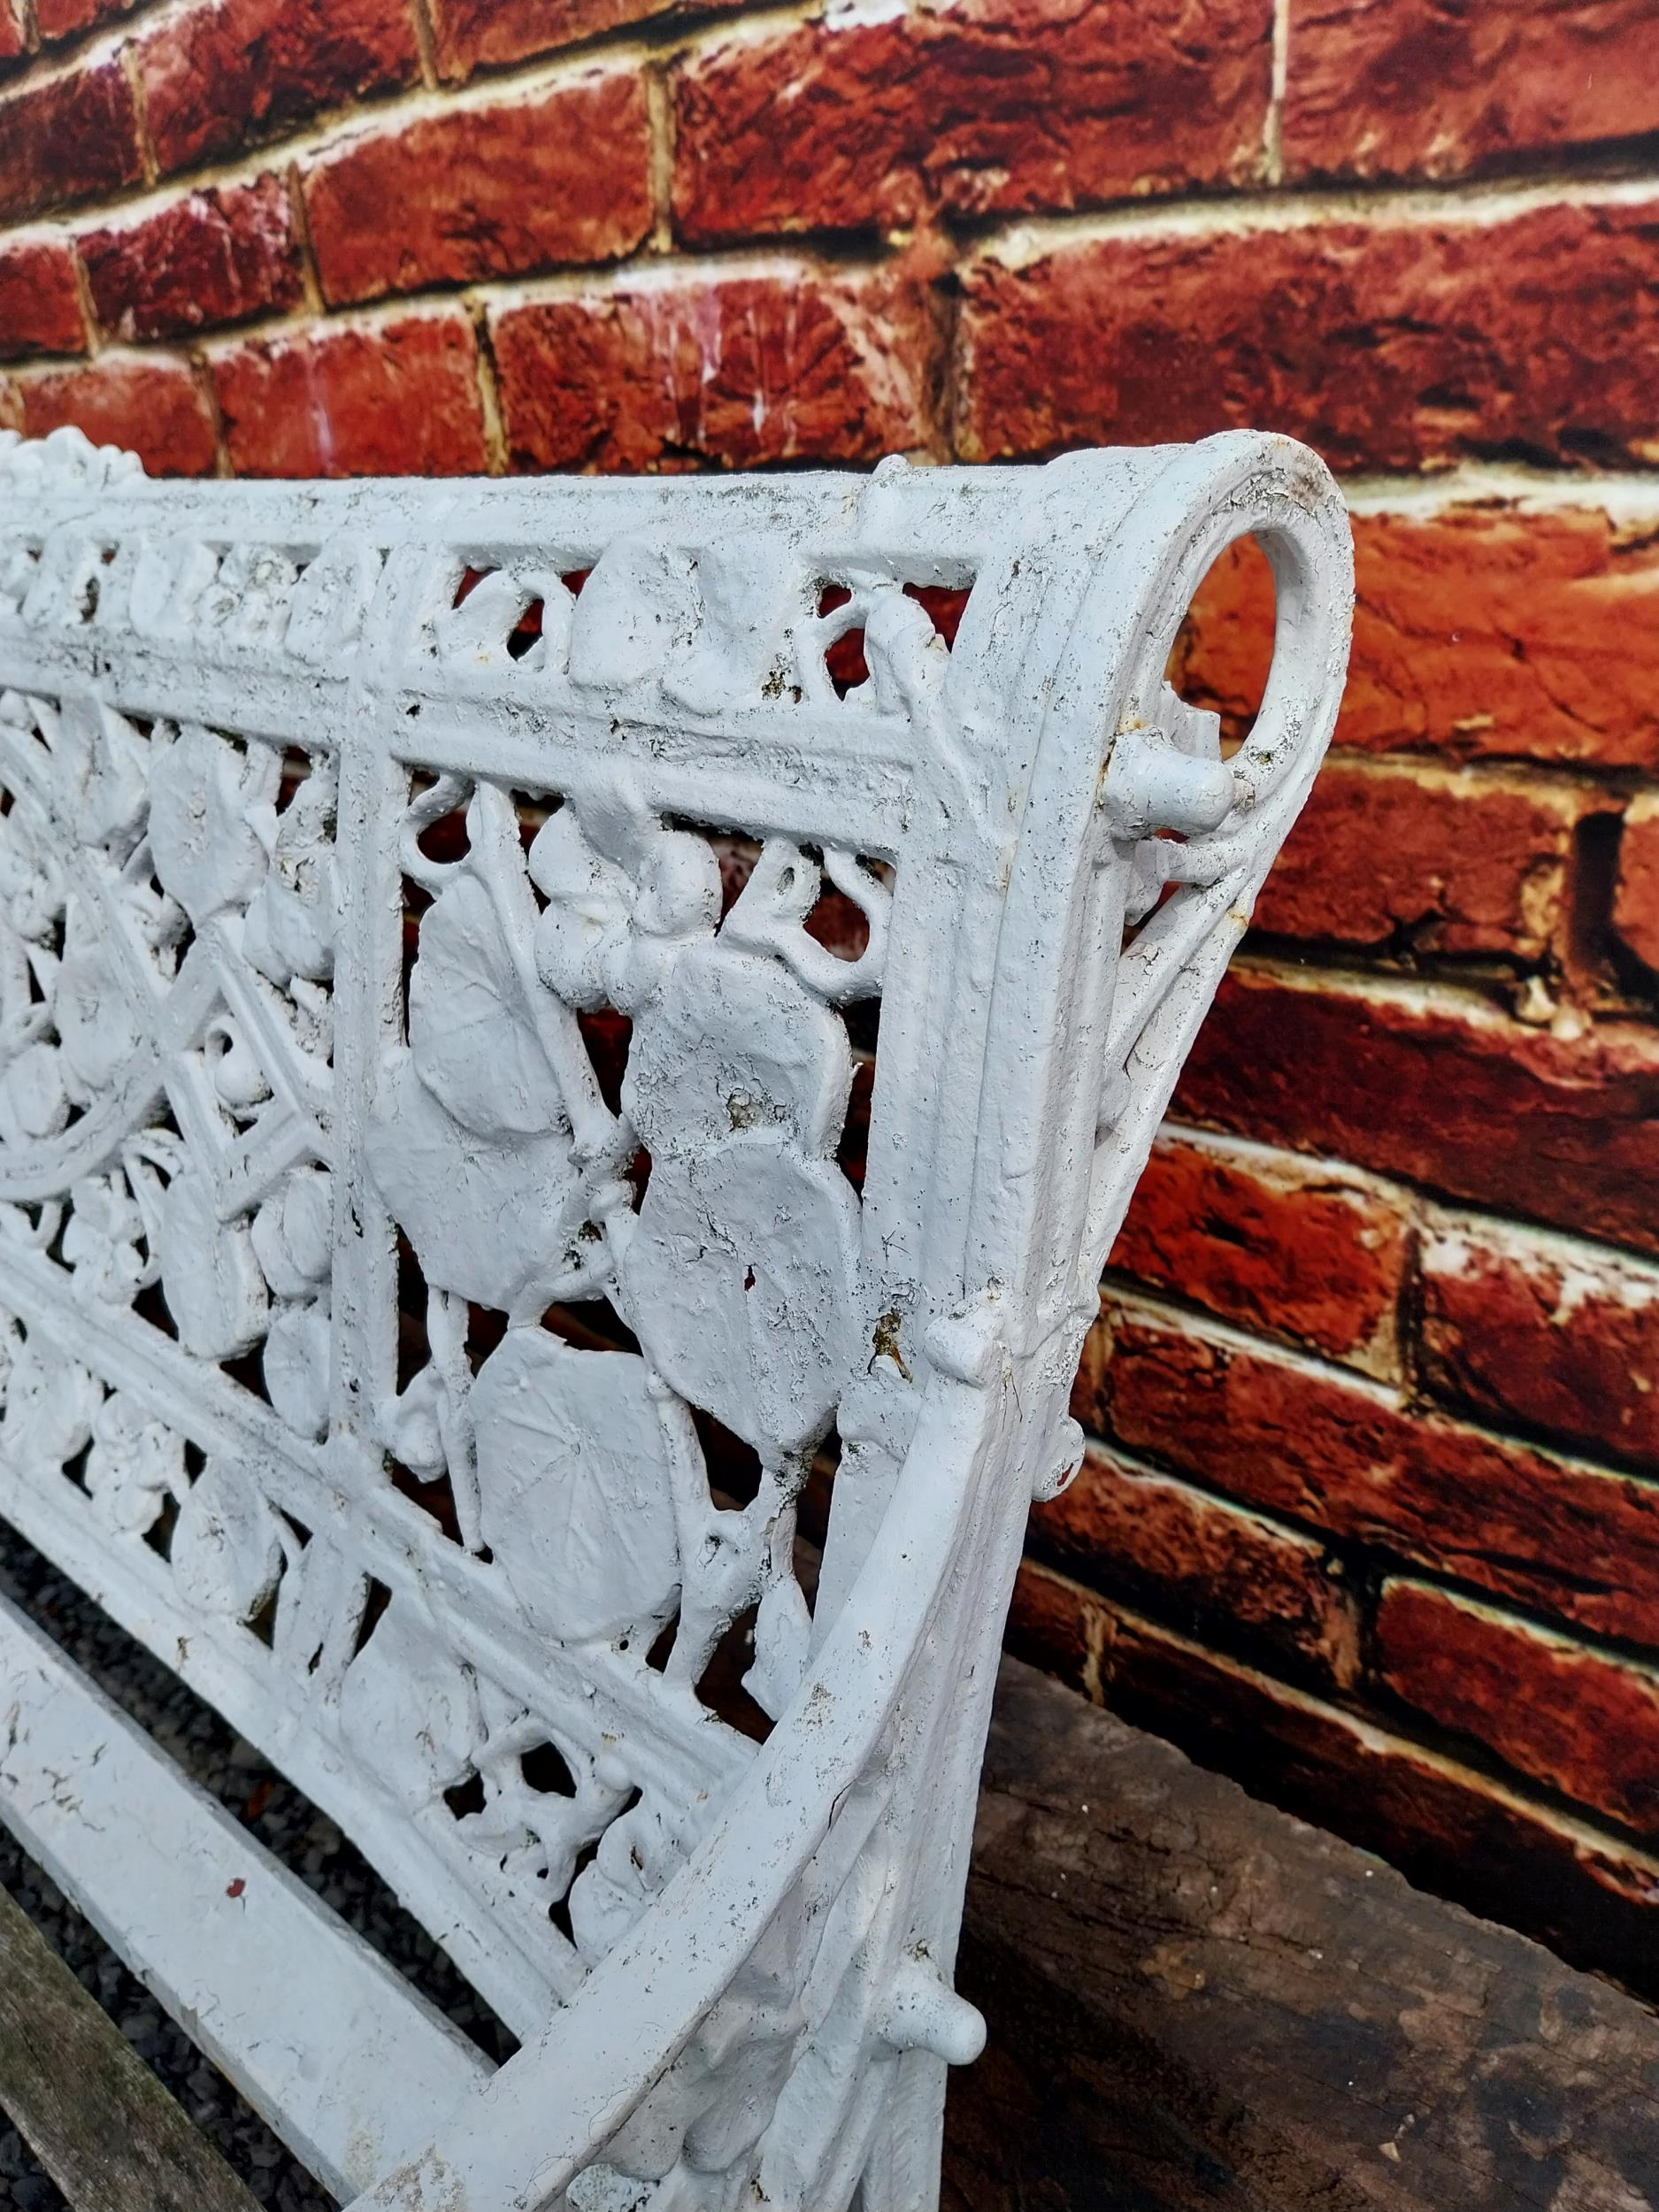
[[340, 821]]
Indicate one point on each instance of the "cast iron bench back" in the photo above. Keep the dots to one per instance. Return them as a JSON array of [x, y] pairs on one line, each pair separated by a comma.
[[442, 933]]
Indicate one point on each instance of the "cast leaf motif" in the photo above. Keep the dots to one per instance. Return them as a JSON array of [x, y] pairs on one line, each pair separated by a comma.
[[575, 1487]]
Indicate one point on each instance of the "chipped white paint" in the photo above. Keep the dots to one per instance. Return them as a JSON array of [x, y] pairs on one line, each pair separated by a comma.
[[246, 725]]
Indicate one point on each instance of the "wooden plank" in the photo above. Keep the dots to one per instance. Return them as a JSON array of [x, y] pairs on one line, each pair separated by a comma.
[[1197, 2004], [99, 2122], [349, 2064]]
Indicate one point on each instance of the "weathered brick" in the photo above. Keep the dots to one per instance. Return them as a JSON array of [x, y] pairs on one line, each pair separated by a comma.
[[67, 138], [474, 34], [791, 363], [393, 398], [1054, 1624], [40, 303], [223, 71], [1384, 344], [148, 402], [1636, 895], [1453, 1833], [212, 257], [1416, 88], [1299, 1247], [1352, 1459], [1210, 1567], [63, 18], [1523, 1327], [1513, 632], [973, 106], [1582, 1721], [486, 191], [1422, 858], [1439, 1087]]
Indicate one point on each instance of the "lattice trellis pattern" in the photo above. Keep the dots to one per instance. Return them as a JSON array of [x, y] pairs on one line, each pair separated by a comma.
[[432, 915]]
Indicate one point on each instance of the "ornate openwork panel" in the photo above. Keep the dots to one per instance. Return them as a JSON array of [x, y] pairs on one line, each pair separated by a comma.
[[544, 1025]]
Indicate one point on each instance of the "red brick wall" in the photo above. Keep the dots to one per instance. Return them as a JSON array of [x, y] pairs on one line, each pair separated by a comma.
[[1373, 1516]]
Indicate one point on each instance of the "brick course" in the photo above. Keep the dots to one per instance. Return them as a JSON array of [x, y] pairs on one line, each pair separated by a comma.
[[212, 257], [1270, 1240], [1478, 632], [832, 124], [1230, 1574], [40, 301], [786, 365], [1414, 88], [67, 138], [1374, 1439], [1439, 859], [1442, 1087], [1360, 1463], [152, 405], [1582, 1722], [485, 191], [225, 69], [1386, 343], [1554, 1332], [398, 397], [470, 34]]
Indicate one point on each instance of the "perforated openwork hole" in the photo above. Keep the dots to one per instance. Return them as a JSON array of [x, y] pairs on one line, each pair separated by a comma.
[[158, 1535], [722, 1685], [416, 1461], [247, 1370], [607, 1035], [299, 1632], [844, 613], [74, 1469], [944, 605], [1175, 771], [546, 1770], [844, 654], [509, 615], [465, 1798], [735, 1468], [1224, 649], [434, 839]]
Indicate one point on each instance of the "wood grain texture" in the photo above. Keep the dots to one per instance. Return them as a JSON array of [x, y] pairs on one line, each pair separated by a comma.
[[95, 2116], [1195, 2001]]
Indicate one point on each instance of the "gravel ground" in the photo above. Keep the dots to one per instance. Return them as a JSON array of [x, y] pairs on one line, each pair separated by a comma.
[[289, 1826]]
